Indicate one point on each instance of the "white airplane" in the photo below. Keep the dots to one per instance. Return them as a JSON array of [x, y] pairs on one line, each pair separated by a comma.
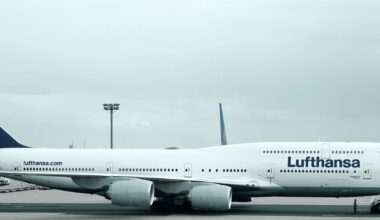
[[207, 179]]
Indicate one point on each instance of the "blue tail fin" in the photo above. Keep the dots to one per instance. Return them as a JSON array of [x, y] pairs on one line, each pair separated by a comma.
[[6, 141]]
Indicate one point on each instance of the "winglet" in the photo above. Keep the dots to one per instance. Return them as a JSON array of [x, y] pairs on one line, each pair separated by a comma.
[[6, 141], [223, 137]]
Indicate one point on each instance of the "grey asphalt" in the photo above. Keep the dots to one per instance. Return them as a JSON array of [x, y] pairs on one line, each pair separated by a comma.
[[108, 211], [55, 204]]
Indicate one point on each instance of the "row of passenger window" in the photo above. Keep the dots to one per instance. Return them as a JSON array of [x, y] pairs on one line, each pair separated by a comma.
[[290, 152], [315, 171], [56, 169], [228, 170], [310, 152], [148, 170], [347, 152]]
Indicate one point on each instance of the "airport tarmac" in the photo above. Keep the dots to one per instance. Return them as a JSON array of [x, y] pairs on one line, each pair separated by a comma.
[[55, 204]]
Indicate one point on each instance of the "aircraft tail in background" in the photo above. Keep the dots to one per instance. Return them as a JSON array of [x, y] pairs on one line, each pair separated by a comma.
[[6, 141], [223, 137]]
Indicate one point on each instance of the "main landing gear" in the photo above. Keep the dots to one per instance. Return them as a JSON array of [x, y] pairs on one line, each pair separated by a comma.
[[375, 207], [170, 205]]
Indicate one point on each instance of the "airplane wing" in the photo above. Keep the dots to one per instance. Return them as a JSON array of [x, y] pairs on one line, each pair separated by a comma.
[[248, 183]]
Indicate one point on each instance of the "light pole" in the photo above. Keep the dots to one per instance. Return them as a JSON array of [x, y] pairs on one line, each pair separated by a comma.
[[111, 107]]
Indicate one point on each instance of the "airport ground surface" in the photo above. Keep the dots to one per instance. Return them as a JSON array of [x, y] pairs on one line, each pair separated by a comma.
[[54, 204]]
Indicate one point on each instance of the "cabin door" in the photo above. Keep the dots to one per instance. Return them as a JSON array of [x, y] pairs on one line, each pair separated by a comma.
[[325, 151], [270, 171], [109, 167], [187, 170], [367, 171], [17, 166]]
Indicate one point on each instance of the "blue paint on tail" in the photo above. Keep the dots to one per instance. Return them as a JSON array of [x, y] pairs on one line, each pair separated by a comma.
[[6, 141]]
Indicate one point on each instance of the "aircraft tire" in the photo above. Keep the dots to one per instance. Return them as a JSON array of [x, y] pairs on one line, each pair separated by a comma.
[[375, 209]]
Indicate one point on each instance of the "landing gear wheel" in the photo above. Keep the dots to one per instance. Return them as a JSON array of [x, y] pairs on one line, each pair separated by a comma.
[[156, 206], [375, 207], [161, 206]]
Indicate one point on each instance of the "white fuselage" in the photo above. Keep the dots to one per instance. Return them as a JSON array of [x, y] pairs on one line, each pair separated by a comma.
[[276, 169]]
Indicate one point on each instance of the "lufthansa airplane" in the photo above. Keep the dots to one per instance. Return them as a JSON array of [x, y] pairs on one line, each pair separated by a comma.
[[207, 179]]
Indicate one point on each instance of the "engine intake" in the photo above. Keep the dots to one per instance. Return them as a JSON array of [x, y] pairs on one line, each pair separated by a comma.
[[211, 197], [133, 192]]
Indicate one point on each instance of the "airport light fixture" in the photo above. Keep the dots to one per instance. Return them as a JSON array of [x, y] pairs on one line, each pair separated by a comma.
[[111, 107]]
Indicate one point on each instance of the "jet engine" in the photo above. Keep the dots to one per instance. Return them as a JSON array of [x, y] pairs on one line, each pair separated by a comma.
[[212, 197], [133, 192]]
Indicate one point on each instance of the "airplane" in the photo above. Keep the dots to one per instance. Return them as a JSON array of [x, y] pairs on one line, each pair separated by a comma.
[[206, 179]]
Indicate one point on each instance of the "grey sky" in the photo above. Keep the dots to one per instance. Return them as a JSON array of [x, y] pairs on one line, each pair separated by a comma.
[[284, 70]]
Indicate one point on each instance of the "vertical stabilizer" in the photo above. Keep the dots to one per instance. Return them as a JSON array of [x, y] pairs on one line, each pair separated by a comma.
[[223, 137], [6, 141]]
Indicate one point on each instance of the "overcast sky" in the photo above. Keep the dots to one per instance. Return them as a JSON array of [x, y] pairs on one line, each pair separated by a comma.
[[284, 71]]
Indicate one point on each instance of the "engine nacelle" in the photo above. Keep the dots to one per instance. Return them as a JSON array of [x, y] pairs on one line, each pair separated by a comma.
[[211, 197], [133, 192]]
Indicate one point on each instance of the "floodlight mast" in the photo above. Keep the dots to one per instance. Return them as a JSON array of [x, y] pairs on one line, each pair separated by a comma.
[[111, 107]]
